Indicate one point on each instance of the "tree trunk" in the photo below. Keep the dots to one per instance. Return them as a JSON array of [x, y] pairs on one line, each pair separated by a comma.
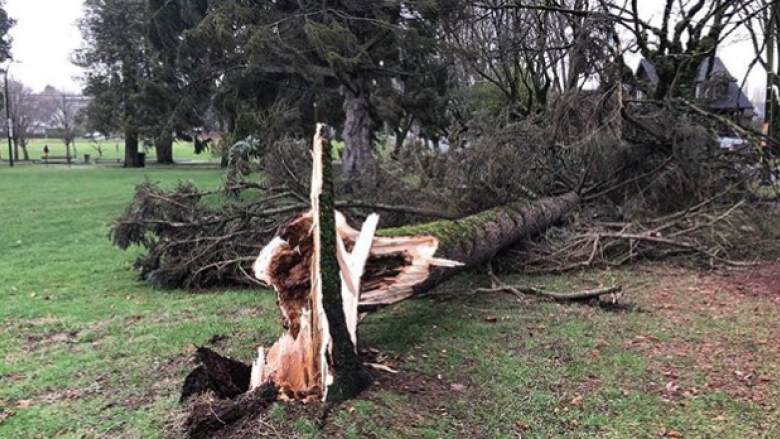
[[16, 150], [350, 377], [384, 270], [25, 151], [471, 242], [163, 145], [316, 358], [400, 138], [357, 131], [131, 149]]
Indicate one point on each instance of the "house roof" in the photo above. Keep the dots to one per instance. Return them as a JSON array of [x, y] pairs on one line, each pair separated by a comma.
[[736, 98], [717, 67], [649, 70]]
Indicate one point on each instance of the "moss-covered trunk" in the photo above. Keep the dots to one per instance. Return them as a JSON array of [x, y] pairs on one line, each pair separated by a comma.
[[350, 377], [475, 240]]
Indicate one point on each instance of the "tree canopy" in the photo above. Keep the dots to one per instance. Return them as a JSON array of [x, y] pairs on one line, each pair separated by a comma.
[[6, 24]]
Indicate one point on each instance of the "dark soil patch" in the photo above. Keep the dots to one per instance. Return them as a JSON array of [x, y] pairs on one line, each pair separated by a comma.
[[225, 377], [404, 399], [40, 341], [761, 281]]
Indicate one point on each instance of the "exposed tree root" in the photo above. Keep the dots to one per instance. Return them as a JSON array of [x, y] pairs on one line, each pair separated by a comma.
[[225, 377], [209, 417]]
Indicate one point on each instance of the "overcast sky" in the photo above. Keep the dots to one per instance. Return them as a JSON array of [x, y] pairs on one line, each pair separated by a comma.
[[46, 35], [44, 39]]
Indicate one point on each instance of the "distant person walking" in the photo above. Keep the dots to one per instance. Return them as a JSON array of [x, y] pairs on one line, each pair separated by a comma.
[[46, 153]]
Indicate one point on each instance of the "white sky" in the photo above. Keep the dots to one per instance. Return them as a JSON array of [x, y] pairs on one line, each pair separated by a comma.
[[736, 52], [46, 35], [44, 39]]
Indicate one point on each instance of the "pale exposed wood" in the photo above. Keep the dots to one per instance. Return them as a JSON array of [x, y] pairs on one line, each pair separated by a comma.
[[258, 376], [298, 365], [352, 266], [418, 251], [382, 367]]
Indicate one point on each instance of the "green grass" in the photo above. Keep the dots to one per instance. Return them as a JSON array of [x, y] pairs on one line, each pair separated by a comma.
[[100, 354], [112, 150]]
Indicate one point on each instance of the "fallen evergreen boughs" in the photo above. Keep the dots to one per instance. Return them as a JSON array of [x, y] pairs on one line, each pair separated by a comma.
[[196, 239], [654, 184]]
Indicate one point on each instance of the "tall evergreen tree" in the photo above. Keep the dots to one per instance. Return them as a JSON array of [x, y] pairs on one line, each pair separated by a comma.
[[115, 57], [176, 93], [6, 23], [346, 45]]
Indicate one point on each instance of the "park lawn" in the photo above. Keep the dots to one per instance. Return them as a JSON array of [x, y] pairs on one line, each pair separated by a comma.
[[112, 150], [87, 351]]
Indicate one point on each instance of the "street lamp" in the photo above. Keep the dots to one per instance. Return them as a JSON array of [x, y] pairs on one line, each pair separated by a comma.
[[9, 122]]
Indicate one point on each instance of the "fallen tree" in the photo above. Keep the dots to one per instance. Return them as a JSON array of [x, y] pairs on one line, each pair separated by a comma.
[[631, 177], [315, 359], [328, 275], [380, 269]]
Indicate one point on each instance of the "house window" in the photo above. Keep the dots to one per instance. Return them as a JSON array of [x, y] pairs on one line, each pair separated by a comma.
[[640, 95]]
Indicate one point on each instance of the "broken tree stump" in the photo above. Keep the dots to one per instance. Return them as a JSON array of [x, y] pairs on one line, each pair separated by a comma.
[[314, 277], [327, 275]]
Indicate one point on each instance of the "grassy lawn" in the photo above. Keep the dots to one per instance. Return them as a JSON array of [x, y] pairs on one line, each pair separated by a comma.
[[88, 351], [112, 150]]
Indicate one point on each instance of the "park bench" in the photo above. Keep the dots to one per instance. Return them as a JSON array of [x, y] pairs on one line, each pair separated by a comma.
[[99, 161], [56, 159]]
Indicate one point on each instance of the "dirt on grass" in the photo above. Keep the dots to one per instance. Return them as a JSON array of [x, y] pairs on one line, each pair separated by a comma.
[[734, 357], [762, 281], [406, 399], [36, 342]]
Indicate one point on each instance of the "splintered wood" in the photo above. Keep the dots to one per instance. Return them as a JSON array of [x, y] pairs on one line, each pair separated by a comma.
[[373, 271]]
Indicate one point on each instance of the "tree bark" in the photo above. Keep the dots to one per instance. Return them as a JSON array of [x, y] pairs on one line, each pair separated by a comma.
[[350, 377], [163, 145], [25, 151], [472, 241], [131, 149], [358, 153]]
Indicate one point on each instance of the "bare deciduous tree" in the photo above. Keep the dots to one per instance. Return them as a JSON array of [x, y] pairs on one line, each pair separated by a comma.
[[527, 50], [25, 116], [66, 119]]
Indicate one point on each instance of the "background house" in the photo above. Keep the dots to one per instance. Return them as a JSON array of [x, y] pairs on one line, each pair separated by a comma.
[[716, 89]]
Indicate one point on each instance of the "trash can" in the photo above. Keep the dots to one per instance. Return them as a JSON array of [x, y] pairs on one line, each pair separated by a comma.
[[141, 159], [87, 158]]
